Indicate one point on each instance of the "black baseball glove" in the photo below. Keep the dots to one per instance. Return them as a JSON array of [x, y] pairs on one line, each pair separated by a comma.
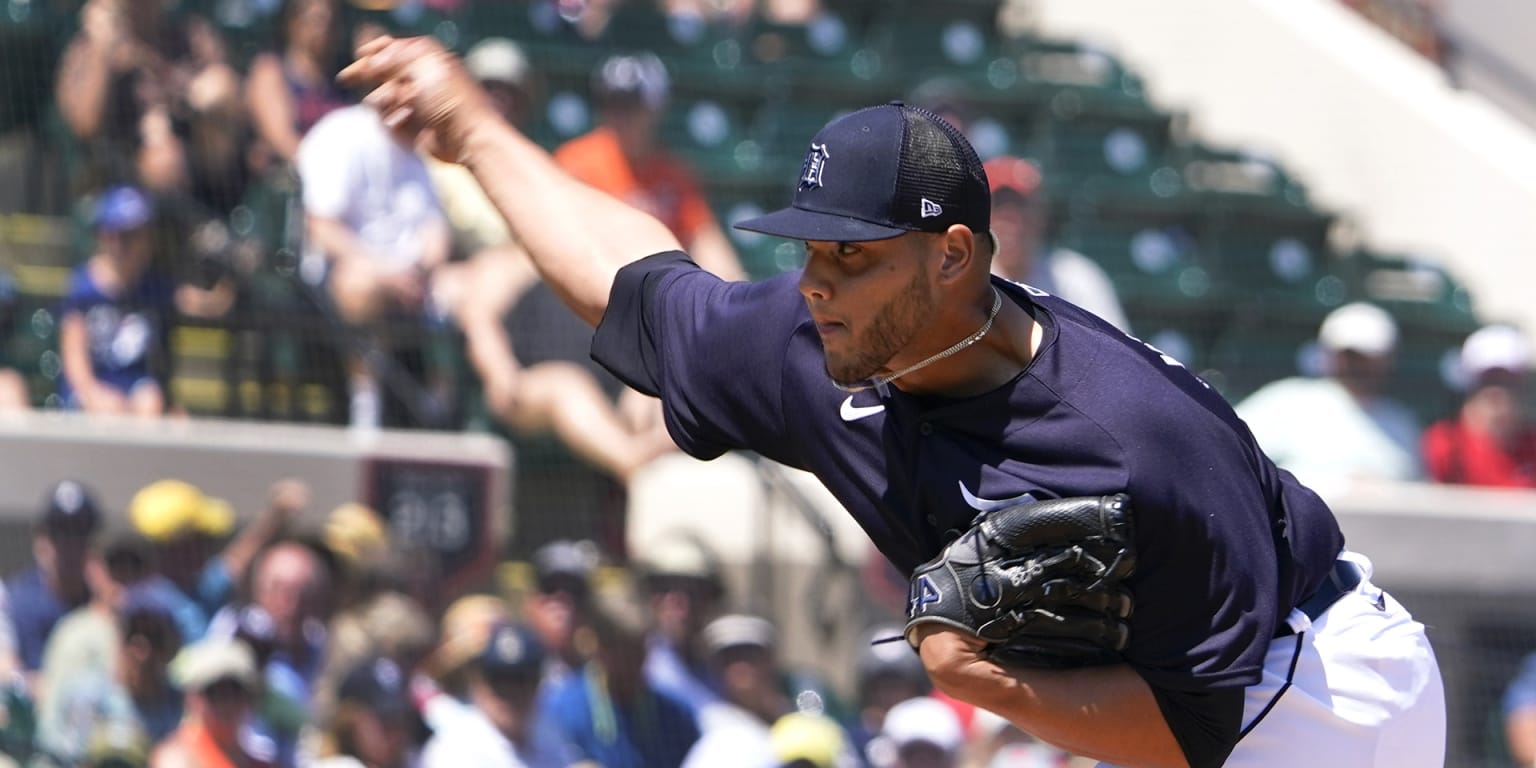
[[1041, 582]]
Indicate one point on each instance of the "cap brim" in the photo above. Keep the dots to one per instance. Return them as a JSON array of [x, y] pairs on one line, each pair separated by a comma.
[[216, 518], [800, 224]]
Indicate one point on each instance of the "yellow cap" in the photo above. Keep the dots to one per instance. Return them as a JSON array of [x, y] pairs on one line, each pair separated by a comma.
[[464, 630], [799, 736], [167, 509], [355, 533]]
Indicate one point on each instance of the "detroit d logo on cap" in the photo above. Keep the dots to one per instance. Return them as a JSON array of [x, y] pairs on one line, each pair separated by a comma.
[[815, 163]]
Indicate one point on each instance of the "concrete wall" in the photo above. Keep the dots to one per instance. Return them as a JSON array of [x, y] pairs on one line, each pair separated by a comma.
[[1374, 130], [447, 491]]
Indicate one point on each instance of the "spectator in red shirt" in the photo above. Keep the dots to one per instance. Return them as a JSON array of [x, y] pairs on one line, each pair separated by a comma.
[[1490, 441]]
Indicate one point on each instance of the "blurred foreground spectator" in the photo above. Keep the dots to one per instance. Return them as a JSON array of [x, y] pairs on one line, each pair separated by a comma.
[[559, 607], [1341, 426], [1019, 221], [463, 632], [498, 729], [375, 236], [189, 529], [741, 652], [114, 327], [919, 733], [221, 683], [684, 589], [283, 624], [609, 712], [887, 673], [1491, 440], [152, 99], [55, 583], [801, 740], [375, 724], [623, 156], [85, 649], [129, 703], [542, 379], [293, 85], [389, 626], [17, 721], [543, 384]]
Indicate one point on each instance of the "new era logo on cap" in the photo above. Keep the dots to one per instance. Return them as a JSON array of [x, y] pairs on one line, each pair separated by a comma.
[[879, 173]]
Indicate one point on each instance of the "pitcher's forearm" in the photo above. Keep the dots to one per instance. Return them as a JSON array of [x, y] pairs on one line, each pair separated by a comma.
[[1106, 712], [577, 236]]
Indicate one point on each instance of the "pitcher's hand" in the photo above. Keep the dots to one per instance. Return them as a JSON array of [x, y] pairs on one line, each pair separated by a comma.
[[422, 91]]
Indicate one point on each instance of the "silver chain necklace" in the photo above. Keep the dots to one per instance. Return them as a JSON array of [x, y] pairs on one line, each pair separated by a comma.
[[880, 381]]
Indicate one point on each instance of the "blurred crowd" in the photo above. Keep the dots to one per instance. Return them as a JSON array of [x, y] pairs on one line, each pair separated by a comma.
[[375, 271], [1340, 426], [259, 195], [171, 633]]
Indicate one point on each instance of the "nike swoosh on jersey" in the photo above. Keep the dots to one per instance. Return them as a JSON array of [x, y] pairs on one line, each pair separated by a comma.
[[987, 505], [851, 412]]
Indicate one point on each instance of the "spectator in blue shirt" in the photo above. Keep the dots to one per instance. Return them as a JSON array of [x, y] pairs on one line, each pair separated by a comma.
[[610, 713], [683, 585], [55, 582], [113, 328]]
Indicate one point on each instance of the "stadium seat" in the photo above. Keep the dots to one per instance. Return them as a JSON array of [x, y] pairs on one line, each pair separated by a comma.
[[1151, 250], [1092, 144], [1278, 252]]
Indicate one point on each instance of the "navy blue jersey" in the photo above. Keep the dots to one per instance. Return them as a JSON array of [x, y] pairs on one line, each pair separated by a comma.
[[1227, 543]]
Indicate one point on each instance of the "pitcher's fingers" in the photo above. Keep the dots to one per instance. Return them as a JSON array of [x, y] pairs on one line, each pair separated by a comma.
[[401, 119], [375, 63], [370, 47], [386, 96]]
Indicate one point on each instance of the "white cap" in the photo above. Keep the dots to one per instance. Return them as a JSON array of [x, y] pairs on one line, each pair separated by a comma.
[[211, 660], [1360, 327], [1494, 347], [497, 59], [924, 719], [641, 77], [736, 629]]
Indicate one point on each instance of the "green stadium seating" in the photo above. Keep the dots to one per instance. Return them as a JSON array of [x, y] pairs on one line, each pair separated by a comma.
[[1150, 249]]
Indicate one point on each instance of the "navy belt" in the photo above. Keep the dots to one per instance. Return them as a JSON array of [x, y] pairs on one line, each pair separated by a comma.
[[1342, 579]]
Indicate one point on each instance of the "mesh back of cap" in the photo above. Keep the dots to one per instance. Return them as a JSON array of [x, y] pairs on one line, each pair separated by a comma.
[[939, 165]]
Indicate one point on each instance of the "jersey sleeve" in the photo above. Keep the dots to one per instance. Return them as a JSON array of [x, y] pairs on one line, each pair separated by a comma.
[[712, 351]]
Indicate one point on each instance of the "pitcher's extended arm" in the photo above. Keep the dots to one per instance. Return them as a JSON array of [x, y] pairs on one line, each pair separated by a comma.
[[577, 236]]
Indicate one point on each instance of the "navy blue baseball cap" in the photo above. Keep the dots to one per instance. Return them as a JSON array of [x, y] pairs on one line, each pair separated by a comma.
[[882, 172], [379, 684], [512, 650], [70, 509], [121, 208]]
